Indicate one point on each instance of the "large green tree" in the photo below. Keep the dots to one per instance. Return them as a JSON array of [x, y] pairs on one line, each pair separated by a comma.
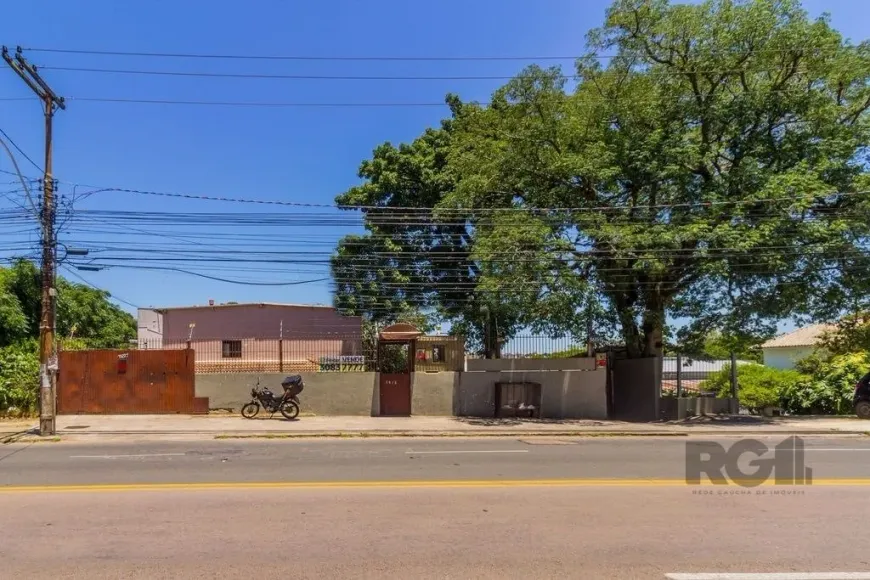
[[711, 166], [82, 312], [410, 262]]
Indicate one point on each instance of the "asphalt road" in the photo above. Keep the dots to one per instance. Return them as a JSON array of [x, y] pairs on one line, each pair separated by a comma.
[[386, 459], [415, 509]]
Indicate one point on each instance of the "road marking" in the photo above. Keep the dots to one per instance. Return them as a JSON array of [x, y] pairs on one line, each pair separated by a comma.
[[125, 456], [837, 449], [774, 576], [466, 451], [483, 484]]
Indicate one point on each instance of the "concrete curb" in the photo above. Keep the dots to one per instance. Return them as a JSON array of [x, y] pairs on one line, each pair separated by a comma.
[[561, 434], [61, 435]]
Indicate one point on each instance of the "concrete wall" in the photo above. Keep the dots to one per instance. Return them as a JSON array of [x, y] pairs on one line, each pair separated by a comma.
[[332, 393], [564, 394], [324, 394], [785, 357], [434, 393]]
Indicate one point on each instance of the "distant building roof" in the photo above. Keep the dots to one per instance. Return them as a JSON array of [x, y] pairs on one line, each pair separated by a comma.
[[238, 304], [806, 336]]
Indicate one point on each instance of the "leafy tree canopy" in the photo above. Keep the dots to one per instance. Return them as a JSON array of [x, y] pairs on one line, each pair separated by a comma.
[[82, 312], [409, 264], [711, 168]]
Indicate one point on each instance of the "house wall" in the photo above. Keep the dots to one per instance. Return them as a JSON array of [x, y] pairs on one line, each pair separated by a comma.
[[785, 357], [258, 321], [150, 327], [452, 346]]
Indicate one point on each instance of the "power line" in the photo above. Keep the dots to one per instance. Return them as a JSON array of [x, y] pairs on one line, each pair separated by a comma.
[[20, 177], [375, 58], [118, 298], [192, 273], [307, 77], [434, 211], [20, 150], [245, 103], [296, 57], [336, 77]]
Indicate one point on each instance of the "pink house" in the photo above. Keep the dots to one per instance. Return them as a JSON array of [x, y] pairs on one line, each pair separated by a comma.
[[260, 337]]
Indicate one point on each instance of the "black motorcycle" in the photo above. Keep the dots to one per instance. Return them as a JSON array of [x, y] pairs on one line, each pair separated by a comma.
[[287, 405]]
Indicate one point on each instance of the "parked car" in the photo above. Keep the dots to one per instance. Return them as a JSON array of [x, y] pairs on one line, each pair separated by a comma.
[[861, 401]]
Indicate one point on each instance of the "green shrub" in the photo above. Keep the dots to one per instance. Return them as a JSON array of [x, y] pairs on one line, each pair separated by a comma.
[[829, 388], [759, 386], [19, 378]]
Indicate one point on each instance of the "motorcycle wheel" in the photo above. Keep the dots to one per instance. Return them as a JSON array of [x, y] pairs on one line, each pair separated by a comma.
[[250, 410], [290, 410]]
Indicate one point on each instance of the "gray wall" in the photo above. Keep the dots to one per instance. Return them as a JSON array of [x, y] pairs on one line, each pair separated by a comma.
[[332, 393], [434, 393], [324, 394], [564, 394], [637, 389]]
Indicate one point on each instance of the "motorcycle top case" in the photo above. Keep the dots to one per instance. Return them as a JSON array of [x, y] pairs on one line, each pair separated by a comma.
[[293, 385]]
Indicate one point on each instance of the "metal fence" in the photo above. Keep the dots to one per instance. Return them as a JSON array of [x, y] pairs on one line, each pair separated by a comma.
[[683, 375], [332, 352], [316, 353], [531, 346]]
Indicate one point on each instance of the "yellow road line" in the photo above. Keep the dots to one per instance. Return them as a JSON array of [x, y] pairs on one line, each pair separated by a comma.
[[518, 483]]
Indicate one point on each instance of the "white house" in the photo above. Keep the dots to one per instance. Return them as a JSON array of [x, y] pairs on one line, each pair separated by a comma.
[[784, 351]]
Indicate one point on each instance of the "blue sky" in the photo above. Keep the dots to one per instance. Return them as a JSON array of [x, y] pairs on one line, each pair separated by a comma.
[[287, 154]]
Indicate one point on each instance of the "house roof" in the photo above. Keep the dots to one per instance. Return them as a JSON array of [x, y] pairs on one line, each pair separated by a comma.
[[239, 304], [806, 336]]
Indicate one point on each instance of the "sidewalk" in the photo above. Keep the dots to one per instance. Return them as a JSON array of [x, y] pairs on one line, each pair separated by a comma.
[[82, 427]]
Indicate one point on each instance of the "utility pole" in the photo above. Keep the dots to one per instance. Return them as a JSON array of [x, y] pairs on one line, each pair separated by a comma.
[[47, 351]]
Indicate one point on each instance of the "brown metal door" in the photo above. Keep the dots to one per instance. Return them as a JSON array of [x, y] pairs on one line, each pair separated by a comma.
[[395, 399], [135, 381]]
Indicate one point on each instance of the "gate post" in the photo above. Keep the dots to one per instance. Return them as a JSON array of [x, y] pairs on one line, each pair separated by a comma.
[[679, 375], [280, 355], [733, 375]]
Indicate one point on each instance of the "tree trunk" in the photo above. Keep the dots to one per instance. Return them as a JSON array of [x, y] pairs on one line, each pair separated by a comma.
[[491, 343], [648, 339], [653, 331], [630, 334]]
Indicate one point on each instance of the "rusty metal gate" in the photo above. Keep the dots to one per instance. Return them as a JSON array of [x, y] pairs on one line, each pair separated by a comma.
[[395, 365], [132, 382], [395, 394]]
